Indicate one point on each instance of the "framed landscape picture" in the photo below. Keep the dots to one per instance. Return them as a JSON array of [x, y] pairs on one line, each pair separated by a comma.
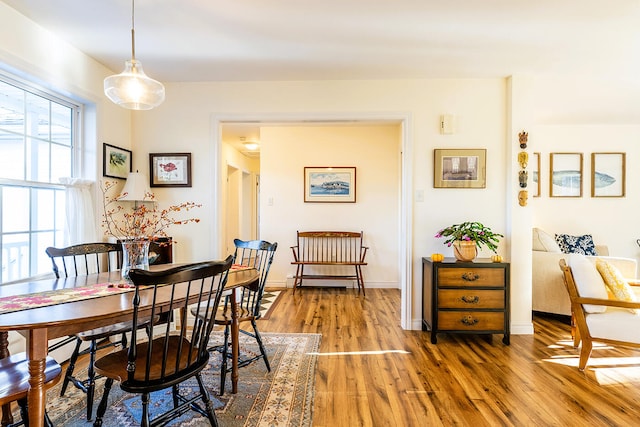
[[170, 169], [330, 184], [116, 161], [464, 168]]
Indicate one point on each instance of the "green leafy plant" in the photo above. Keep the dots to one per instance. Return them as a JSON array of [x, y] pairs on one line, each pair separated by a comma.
[[471, 231]]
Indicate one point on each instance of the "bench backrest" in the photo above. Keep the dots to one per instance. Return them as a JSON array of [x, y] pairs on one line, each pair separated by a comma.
[[330, 246]]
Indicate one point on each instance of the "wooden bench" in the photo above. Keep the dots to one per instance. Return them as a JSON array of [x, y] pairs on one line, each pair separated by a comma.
[[325, 248]]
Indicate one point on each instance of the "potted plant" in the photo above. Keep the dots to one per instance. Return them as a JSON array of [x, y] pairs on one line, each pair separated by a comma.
[[467, 237]]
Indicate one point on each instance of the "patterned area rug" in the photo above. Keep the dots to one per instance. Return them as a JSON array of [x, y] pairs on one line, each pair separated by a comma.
[[282, 397], [269, 301]]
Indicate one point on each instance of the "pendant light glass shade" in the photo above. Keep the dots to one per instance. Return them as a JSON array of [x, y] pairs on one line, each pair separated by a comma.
[[132, 88]]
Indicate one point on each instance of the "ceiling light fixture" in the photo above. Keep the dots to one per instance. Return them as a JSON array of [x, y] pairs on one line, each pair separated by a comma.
[[251, 146], [132, 88]]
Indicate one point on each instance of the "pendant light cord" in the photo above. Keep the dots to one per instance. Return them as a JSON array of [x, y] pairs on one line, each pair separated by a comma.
[[133, 31]]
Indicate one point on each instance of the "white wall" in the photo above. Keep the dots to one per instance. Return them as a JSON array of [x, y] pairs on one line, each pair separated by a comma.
[[374, 151], [611, 221], [186, 122]]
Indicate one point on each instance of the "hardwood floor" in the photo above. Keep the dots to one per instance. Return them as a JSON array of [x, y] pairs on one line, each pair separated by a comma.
[[370, 372]]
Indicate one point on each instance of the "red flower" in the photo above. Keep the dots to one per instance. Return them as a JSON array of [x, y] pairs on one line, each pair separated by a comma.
[[168, 167]]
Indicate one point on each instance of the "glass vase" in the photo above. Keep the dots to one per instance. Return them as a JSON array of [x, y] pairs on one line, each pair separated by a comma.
[[135, 254]]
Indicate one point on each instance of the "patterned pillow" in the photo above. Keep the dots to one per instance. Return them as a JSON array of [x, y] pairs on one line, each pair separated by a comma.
[[576, 244], [617, 284]]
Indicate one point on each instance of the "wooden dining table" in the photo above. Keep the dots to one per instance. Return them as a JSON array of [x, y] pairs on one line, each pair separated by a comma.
[[42, 323]]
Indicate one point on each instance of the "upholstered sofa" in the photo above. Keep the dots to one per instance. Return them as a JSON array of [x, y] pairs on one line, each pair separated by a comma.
[[549, 292]]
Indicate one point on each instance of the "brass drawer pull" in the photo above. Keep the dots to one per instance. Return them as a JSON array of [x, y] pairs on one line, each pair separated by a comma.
[[470, 299], [469, 320], [470, 276]]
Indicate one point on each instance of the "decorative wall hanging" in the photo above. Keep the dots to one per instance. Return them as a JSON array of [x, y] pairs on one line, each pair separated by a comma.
[[522, 138], [608, 172], [465, 168], [116, 161], [170, 169], [523, 195], [565, 178], [330, 184]]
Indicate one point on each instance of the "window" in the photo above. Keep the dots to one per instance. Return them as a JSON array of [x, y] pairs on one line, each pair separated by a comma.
[[37, 146]]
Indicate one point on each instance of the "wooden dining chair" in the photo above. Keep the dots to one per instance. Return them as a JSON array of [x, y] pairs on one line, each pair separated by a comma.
[[14, 385], [80, 260], [256, 254], [175, 354]]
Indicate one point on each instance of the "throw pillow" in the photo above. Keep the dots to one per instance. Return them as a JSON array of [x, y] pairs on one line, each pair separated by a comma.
[[544, 242], [616, 283], [589, 283], [576, 244]]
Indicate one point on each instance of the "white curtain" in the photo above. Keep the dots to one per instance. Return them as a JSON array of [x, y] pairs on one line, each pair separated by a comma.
[[80, 223]]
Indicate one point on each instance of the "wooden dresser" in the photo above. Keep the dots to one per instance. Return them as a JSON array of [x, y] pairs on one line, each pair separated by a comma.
[[465, 297]]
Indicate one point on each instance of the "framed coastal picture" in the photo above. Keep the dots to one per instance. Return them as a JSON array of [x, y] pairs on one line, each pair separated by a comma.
[[330, 184], [565, 177], [170, 169], [608, 172], [116, 161], [464, 168]]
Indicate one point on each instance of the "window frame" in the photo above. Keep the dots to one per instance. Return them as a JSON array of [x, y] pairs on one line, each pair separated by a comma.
[[35, 258]]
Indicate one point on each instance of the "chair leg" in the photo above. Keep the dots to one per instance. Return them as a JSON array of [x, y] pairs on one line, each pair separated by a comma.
[[360, 279], [260, 345], [24, 411], [208, 404], [225, 356], [585, 353], [297, 281], [174, 393], [72, 365], [144, 421], [91, 381], [102, 407]]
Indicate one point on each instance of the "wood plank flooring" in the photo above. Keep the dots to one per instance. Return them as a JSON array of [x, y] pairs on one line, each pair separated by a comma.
[[371, 372]]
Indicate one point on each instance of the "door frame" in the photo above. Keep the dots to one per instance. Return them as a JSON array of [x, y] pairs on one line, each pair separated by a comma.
[[405, 223]]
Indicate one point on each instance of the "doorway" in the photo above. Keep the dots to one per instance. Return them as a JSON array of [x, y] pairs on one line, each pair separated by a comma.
[[405, 244]]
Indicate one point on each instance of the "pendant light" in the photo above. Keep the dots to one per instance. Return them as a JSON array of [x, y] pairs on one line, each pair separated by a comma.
[[132, 88]]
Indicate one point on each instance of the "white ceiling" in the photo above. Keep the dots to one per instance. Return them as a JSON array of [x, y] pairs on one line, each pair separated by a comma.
[[210, 40], [215, 40]]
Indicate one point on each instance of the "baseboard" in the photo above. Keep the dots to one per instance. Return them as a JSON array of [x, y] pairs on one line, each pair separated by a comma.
[[288, 283]]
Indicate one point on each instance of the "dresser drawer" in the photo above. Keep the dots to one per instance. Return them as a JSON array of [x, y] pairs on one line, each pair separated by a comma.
[[470, 320], [471, 276], [468, 299]]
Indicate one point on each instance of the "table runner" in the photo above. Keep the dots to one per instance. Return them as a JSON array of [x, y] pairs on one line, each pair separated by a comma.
[[61, 296]]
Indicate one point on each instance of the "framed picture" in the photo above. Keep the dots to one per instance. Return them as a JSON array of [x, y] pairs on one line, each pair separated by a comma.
[[608, 172], [465, 168], [535, 172], [330, 184], [565, 177], [116, 161], [170, 169]]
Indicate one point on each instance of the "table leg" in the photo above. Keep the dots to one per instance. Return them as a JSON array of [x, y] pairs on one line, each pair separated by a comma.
[[235, 345], [36, 397], [7, 418]]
